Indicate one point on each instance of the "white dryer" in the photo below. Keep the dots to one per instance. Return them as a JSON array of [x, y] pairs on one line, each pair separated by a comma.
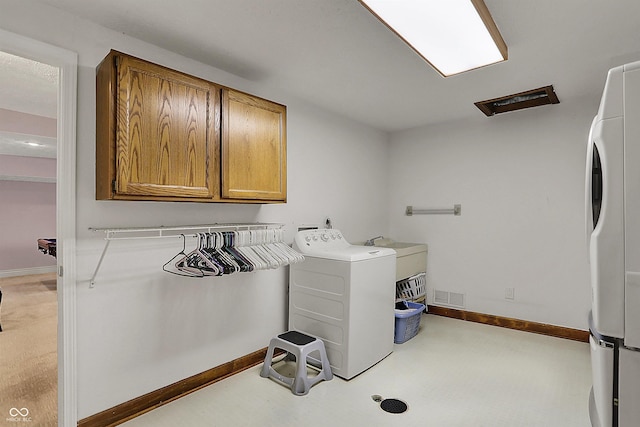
[[344, 294]]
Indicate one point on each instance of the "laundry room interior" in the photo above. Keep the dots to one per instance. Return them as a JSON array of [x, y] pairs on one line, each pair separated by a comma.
[[375, 147]]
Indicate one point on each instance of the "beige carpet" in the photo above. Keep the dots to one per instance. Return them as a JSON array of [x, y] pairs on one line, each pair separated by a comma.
[[28, 355]]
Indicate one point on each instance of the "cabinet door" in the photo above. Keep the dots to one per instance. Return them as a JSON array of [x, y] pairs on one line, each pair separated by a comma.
[[166, 134], [254, 155]]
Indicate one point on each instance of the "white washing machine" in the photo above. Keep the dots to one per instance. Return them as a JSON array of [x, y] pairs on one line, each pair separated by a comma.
[[345, 295]]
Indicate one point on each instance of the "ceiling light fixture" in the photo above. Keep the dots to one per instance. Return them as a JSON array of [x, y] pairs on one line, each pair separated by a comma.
[[452, 35]]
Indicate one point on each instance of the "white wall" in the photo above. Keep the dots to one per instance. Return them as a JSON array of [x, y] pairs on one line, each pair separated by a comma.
[[140, 329], [28, 213], [520, 180], [28, 208]]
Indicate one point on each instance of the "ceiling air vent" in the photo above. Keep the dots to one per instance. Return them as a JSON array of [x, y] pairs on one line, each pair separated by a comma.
[[518, 101]]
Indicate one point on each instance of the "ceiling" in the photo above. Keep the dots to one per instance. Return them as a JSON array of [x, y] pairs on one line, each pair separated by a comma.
[[28, 86], [335, 54]]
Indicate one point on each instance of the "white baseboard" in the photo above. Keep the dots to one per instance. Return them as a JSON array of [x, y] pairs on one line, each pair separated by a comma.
[[28, 271]]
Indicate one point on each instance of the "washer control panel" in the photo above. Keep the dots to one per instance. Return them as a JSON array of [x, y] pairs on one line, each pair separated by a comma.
[[321, 239]]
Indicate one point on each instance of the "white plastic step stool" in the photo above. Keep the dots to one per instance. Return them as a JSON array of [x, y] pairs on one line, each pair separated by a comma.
[[301, 346]]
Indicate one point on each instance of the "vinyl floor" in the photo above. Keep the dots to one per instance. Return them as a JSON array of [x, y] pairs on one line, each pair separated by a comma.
[[452, 374]]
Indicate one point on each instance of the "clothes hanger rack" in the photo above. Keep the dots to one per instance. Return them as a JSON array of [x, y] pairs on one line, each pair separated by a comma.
[[160, 232]]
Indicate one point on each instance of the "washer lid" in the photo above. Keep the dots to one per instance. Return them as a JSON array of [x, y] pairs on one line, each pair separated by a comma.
[[349, 253], [331, 244]]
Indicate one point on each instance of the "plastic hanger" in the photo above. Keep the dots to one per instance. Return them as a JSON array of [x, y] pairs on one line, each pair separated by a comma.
[[181, 269]]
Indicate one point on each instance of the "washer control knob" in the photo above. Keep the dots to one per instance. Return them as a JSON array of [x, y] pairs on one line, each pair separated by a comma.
[[315, 237], [324, 237], [307, 238], [333, 236]]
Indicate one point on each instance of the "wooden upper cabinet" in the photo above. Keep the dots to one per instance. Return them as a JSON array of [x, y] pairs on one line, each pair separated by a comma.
[[157, 132], [254, 154], [165, 141], [167, 136]]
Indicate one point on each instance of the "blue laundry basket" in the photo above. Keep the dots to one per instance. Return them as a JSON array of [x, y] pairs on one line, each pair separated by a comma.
[[408, 321]]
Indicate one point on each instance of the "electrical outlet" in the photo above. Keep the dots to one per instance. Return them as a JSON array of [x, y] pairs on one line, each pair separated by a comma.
[[509, 293]]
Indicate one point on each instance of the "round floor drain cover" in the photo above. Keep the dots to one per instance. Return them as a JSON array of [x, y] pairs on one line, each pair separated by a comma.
[[393, 406]]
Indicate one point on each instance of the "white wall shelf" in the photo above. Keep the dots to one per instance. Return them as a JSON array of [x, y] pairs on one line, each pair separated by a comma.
[[163, 232]]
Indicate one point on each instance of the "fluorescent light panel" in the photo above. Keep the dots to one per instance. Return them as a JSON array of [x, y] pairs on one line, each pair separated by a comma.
[[452, 35]]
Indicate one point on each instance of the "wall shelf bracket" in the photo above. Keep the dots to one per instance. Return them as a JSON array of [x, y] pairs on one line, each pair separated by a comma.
[[92, 282]]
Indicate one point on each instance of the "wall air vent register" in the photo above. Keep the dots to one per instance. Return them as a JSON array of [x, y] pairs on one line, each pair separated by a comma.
[[518, 101]]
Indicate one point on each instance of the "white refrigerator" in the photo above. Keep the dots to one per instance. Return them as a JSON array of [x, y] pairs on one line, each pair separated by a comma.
[[613, 238]]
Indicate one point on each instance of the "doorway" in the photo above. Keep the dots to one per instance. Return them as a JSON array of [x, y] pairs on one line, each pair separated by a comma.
[[28, 321], [65, 272]]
